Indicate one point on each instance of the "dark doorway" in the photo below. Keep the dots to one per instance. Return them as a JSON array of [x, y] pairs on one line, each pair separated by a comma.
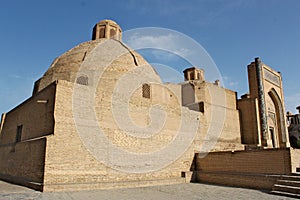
[[273, 137]]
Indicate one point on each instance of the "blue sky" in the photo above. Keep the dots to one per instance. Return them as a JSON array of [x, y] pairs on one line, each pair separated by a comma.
[[233, 32]]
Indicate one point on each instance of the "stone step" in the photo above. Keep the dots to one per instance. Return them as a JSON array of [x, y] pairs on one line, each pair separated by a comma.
[[286, 188], [290, 177], [296, 173], [289, 183], [287, 194]]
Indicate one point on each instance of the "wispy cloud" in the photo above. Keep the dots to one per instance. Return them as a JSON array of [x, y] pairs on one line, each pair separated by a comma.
[[185, 50], [217, 10], [292, 101], [229, 82], [163, 8], [162, 56], [207, 12], [158, 41], [167, 73], [15, 76]]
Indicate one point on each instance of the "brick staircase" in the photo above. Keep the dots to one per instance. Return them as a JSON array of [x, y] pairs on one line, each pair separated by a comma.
[[288, 185]]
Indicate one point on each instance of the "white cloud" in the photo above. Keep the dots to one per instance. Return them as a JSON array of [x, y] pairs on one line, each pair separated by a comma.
[[177, 44], [158, 42]]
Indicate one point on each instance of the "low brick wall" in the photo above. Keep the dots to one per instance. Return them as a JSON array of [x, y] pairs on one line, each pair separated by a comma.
[[23, 163], [254, 181], [257, 169]]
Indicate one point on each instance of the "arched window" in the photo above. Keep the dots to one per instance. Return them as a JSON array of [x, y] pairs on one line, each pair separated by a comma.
[[146, 91], [82, 80], [102, 32], [192, 76], [112, 33]]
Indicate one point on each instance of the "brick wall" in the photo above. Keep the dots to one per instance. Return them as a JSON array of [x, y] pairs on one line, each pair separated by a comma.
[[249, 118], [35, 115], [22, 161], [253, 169], [272, 161], [69, 164]]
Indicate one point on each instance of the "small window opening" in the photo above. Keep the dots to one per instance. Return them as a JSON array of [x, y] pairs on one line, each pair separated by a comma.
[[292, 121], [19, 133], [201, 106], [112, 33], [102, 33], [82, 80], [192, 75], [273, 137], [146, 91]]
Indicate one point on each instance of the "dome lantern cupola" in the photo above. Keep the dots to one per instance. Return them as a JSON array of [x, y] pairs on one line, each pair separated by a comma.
[[107, 29]]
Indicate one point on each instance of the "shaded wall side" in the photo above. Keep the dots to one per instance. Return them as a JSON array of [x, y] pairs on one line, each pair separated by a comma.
[[253, 181], [22, 160], [35, 115], [187, 94], [251, 169], [221, 115], [252, 81], [23, 163], [273, 161], [249, 120]]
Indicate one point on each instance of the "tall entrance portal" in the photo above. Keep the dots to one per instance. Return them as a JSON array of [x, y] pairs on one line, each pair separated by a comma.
[[262, 110]]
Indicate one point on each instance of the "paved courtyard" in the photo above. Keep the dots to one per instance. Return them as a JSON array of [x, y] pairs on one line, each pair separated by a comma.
[[180, 191]]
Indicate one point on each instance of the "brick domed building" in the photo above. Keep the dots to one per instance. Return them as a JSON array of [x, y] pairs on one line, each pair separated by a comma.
[[93, 122]]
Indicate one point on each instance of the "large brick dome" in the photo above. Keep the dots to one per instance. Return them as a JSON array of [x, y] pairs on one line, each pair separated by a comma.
[[66, 66]]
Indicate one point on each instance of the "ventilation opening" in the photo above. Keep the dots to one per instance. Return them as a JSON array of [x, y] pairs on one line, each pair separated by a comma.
[[82, 80], [19, 133], [146, 91], [201, 106]]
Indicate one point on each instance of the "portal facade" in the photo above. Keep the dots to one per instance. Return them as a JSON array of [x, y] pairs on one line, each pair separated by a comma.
[[266, 126]]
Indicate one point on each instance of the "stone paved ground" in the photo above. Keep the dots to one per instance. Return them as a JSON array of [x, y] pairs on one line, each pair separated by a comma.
[[180, 191]]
